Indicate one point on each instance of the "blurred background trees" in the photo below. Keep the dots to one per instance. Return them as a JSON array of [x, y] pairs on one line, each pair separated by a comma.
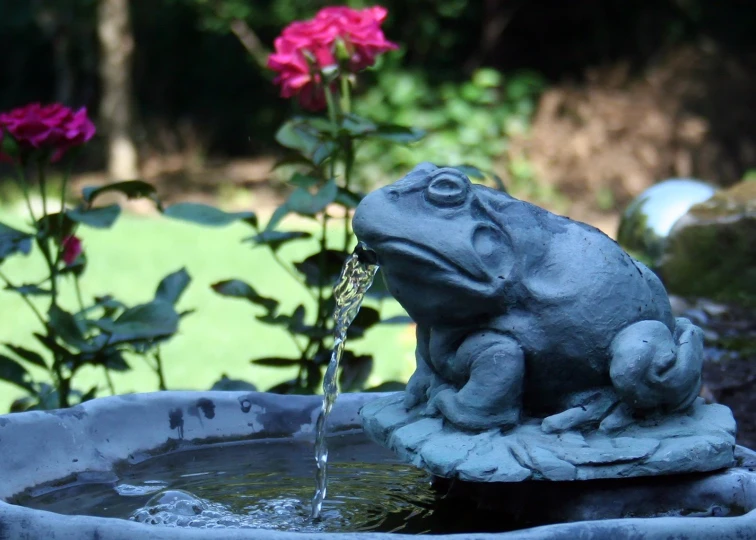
[[188, 76]]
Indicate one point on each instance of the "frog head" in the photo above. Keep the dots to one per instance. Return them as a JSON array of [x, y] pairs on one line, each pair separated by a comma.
[[441, 247]]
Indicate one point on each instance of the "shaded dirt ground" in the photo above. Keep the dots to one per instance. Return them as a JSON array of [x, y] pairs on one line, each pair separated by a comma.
[[692, 112], [731, 383], [730, 372]]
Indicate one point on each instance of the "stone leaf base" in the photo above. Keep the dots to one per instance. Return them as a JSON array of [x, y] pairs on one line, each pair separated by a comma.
[[702, 439]]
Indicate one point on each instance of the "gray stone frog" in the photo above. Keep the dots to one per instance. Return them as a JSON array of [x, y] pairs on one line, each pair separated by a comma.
[[523, 313]]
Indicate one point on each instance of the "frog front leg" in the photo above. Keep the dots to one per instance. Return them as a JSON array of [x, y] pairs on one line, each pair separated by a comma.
[[419, 384], [491, 394]]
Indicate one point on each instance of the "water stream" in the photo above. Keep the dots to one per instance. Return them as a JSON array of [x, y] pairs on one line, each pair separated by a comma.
[[356, 277]]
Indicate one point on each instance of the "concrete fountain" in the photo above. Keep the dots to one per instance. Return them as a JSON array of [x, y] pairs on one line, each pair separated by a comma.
[[555, 396]]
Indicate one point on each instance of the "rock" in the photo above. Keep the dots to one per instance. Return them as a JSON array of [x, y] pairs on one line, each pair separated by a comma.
[[699, 439], [711, 250]]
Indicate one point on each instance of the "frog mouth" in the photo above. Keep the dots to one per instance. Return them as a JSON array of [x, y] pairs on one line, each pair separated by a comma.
[[429, 257]]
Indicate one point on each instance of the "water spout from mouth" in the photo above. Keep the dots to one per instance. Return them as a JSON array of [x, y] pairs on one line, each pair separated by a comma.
[[356, 277]]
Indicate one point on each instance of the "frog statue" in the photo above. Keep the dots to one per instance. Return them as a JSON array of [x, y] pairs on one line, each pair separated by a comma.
[[518, 309], [523, 314]]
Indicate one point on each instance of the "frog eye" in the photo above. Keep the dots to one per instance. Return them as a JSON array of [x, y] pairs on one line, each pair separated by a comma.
[[447, 189]]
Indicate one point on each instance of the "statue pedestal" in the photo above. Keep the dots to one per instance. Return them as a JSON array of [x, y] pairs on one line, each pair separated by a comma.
[[698, 440]]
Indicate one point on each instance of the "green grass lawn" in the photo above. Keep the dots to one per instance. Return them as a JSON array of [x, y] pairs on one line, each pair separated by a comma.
[[222, 336]]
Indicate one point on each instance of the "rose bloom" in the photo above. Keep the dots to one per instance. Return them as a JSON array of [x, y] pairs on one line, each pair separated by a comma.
[[305, 48], [53, 127], [71, 249]]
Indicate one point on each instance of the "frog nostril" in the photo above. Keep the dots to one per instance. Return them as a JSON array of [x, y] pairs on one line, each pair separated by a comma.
[[393, 195]]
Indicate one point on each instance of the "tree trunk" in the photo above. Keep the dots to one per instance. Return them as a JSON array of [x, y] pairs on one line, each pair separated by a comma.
[[116, 108], [55, 24]]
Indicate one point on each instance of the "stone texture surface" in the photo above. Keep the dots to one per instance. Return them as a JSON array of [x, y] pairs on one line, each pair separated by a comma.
[[95, 437], [702, 439]]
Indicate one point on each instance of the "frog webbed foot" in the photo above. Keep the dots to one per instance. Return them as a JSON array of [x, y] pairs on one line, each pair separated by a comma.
[[468, 416], [416, 391], [590, 408]]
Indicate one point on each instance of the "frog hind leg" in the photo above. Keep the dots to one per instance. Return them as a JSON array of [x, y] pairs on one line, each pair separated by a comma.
[[492, 395], [653, 369]]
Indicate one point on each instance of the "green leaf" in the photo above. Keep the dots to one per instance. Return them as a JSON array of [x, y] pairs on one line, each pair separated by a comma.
[[66, 327], [474, 172], [77, 268], [470, 171], [47, 398], [292, 159], [323, 151], [236, 288], [274, 361], [8, 144], [28, 355], [398, 319], [499, 182], [224, 384], [172, 286], [355, 371], [356, 125], [29, 290], [304, 181], [109, 358], [275, 239], [143, 322], [388, 386], [379, 288], [99, 218], [13, 241], [333, 261], [23, 404], [312, 137], [303, 202], [298, 135], [286, 387], [398, 134], [280, 213], [366, 318], [49, 342], [56, 225], [107, 303], [203, 214], [348, 199], [13, 372], [296, 325], [113, 359], [133, 189], [89, 395]]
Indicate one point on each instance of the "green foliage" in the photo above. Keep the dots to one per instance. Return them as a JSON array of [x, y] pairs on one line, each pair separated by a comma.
[[468, 122], [322, 150], [99, 332]]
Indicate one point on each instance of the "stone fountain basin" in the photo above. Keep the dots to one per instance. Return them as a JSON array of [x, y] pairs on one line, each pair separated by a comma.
[[87, 442]]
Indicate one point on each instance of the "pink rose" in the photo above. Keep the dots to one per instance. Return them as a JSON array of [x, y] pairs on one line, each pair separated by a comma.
[[305, 48], [361, 32], [71, 249], [47, 127]]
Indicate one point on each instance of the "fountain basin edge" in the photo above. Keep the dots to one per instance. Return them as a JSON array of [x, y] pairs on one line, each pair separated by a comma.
[[88, 441]]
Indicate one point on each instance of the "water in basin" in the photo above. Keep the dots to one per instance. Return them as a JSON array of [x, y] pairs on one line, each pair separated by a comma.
[[266, 484]]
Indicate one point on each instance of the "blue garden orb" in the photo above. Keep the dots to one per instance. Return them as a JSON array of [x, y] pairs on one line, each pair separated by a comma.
[[648, 220]]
